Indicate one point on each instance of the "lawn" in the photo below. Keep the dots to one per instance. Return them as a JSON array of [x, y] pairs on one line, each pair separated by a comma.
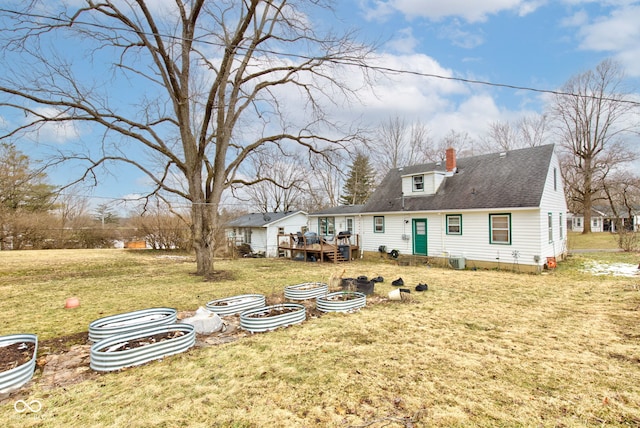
[[479, 348]]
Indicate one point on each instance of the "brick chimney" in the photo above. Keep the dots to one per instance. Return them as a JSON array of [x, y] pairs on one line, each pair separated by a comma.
[[451, 159]]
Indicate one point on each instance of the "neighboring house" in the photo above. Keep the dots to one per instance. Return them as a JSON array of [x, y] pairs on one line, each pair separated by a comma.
[[501, 208], [603, 220], [261, 230]]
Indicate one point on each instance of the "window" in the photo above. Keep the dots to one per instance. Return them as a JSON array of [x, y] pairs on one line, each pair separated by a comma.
[[560, 227], [578, 221], [555, 178], [418, 183], [454, 224], [550, 226], [350, 224], [378, 224], [281, 231], [327, 226], [500, 229]]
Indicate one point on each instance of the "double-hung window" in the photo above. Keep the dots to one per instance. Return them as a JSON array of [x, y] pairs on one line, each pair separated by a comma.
[[454, 224], [378, 224], [418, 183], [500, 229]]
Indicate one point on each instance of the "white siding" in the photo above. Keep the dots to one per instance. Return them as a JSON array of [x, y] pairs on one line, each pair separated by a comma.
[[474, 242], [431, 183], [291, 224], [554, 202]]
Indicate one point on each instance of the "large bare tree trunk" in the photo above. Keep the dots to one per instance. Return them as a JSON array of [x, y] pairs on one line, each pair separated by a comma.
[[206, 81]]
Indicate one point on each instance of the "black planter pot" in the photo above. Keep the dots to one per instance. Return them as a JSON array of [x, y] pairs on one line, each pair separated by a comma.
[[364, 286]]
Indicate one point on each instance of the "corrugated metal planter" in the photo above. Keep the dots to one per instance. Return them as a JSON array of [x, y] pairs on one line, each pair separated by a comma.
[[131, 321], [258, 320], [341, 301], [236, 304], [105, 357], [307, 290], [16, 377]]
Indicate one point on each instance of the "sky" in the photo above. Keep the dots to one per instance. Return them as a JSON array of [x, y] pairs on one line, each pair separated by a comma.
[[537, 44]]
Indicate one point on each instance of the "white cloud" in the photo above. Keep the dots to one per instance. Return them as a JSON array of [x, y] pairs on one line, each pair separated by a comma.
[[460, 37], [53, 132], [617, 33], [404, 42], [471, 11]]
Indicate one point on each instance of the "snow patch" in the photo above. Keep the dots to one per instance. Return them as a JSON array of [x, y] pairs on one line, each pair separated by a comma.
[[615, 269]]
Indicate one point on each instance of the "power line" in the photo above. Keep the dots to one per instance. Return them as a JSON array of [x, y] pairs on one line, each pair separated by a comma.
[[391, 70]]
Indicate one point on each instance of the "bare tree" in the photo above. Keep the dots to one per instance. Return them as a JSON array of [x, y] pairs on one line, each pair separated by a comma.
[[502, 136], [460, 141], [282, 182], [198, 85], [399, 143], [592, 119], [528, 131]]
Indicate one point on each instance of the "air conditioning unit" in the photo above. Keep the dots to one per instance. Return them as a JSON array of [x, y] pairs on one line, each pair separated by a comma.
[[456, 262]]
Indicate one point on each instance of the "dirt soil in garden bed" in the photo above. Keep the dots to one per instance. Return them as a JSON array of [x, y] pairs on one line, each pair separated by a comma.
[[143, 341], [15, 355], [65, 360], [274, 312]]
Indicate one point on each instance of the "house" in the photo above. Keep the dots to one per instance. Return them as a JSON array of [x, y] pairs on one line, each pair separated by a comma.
[[487, 210], [331, 221], [261, 230], [604, 220]]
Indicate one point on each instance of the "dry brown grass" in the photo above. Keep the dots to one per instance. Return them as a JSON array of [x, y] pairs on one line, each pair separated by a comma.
[[480, 348]]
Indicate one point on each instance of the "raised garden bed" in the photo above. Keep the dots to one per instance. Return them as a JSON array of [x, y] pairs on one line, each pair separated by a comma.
[[131, 321], [271, 317], [305, 291], [341, 301], [139, 347], [17, 360], [236, 304]]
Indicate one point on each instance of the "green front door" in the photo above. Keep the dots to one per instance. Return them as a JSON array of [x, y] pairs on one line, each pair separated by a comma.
[[420, 236]]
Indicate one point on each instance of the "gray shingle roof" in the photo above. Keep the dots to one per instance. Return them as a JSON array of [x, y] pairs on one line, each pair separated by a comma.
[[486, 181], [259, 219], [339, 210]]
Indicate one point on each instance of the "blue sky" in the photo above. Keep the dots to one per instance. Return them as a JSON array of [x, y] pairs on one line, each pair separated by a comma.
[[527, 43]]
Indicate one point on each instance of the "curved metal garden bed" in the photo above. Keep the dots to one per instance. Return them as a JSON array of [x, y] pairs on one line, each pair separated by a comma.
[[131, 321], [341, 301], [257, 320], [236, 304], [103, 360], [16, 377], [304, 291]]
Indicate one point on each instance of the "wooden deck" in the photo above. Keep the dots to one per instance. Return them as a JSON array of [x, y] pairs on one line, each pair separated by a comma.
[[336, 250]]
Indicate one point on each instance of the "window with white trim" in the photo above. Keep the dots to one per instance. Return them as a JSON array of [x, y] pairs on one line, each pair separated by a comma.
[[500, 229], [454, 224], [550, 226], [560, 226], [378, 224], [418, 183]]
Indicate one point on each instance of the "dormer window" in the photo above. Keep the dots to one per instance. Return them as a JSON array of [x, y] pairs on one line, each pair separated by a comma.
[[418, 183]]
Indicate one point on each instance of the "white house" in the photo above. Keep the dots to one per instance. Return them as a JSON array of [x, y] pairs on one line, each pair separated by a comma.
[[603, 219], [261, 230], [501, 208], [331, 221]]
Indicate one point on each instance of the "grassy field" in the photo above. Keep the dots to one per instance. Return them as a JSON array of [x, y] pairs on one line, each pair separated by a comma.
[[601, 241], [480, 348]]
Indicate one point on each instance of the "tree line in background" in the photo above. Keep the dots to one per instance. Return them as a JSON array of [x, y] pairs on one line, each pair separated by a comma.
[[199, 101]]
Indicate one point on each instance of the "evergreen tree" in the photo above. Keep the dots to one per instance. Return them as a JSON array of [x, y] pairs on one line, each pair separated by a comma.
[[359, 185]]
